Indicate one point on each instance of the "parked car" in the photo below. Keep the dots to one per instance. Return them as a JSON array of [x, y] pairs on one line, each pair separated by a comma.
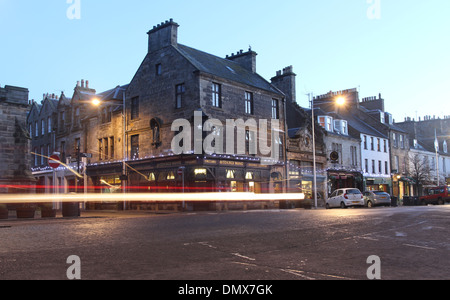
[[435, 195], [376, 198], [344, 198]]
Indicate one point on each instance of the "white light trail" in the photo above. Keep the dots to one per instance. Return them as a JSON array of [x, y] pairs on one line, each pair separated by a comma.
[[147, 197]]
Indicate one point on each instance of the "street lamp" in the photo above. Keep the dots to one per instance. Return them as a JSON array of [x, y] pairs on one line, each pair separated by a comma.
[[97, 102]]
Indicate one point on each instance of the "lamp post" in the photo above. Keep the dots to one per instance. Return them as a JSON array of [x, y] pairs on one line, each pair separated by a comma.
[[314, 189], [98, 102]]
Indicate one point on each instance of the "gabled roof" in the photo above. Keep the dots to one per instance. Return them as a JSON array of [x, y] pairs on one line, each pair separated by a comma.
[[221, 67]]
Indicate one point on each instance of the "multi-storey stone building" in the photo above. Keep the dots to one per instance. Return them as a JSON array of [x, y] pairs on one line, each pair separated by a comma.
[[15, 170], [177, 83]]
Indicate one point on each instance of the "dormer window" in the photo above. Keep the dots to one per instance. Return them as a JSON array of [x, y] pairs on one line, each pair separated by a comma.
[[341, 126], [444, 146], [326, 122]]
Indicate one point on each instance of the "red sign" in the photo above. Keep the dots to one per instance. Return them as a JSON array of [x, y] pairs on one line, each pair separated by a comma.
[[54, 161], [180, 171]]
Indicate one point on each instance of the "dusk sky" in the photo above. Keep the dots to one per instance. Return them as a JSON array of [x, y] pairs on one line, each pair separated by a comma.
[[397, 48]]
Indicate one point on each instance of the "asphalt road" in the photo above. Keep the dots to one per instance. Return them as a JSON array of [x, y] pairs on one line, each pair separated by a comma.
[[411, 242]]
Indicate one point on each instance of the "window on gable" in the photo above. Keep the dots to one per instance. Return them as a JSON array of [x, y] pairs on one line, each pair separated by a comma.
[[275, 109], [216, 95], [249, 103], [179, 98], [158, 70], [134, 108]]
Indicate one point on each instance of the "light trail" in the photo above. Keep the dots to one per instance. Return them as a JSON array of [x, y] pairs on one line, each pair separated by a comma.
[[146, 197]]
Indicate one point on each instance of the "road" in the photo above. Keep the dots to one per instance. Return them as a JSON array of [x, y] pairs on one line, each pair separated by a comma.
[[411, 242]]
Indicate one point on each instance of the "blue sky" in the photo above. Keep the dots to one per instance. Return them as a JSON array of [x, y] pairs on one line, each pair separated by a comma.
[[400, 50]]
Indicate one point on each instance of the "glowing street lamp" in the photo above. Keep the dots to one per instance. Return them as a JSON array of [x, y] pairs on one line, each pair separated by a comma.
[[340, 101], [96, 102]]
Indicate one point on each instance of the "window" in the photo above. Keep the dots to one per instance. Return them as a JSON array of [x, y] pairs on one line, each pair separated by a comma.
[[275, 109], [378, 144], [36, 157], [100, 149], [49, 125], [158, 69], [62, 149], [106, 114], [444, 146], [385, 146], [42, 155], [380, 169], [62, 119], [394, 138], [152, 177], [106, 148], [366, 165], [77, 145], [134, 146], [42, 127], [180, 89], [396, 163], [326, 122], [111, 145], [36, 129], [77, 117], [231, 174], [386, 168], [372, 147], [402, 141], [216, 95], [134, 108], [156, 132], [354, 154], [249, 103], [365, 142]]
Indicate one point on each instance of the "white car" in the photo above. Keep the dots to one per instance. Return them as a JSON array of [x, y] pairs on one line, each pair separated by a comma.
[[344, 198]]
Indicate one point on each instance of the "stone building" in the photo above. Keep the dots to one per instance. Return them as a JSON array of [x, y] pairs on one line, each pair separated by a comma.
[[201, 91], [41, 125], [15, 170]]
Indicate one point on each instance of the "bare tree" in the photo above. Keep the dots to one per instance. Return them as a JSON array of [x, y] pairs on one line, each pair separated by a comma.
[[420, 171]]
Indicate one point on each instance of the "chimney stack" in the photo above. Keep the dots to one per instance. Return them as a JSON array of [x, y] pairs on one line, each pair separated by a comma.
[[285, 81], [163, 35], [245, 59]]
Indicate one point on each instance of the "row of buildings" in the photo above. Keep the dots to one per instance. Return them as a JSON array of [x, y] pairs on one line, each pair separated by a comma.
[[123, 138]]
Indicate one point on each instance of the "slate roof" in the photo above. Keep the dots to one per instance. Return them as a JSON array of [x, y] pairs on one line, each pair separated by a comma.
[[221, 67]]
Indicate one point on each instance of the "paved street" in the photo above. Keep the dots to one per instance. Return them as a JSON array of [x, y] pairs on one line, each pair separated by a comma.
[[412, 243]]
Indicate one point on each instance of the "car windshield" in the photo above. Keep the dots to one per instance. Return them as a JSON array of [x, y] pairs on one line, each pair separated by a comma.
[[379, 193], [353, 191]]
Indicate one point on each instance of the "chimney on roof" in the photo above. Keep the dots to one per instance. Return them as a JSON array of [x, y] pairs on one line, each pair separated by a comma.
[[82, 83], [87, 84], [163, 35], [245, 59], [285, 81]]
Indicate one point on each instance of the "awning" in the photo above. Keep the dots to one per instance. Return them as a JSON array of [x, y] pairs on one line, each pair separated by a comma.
[[408, 179]]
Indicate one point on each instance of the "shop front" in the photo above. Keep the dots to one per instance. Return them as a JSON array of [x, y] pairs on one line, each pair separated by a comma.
[[377, 184]]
